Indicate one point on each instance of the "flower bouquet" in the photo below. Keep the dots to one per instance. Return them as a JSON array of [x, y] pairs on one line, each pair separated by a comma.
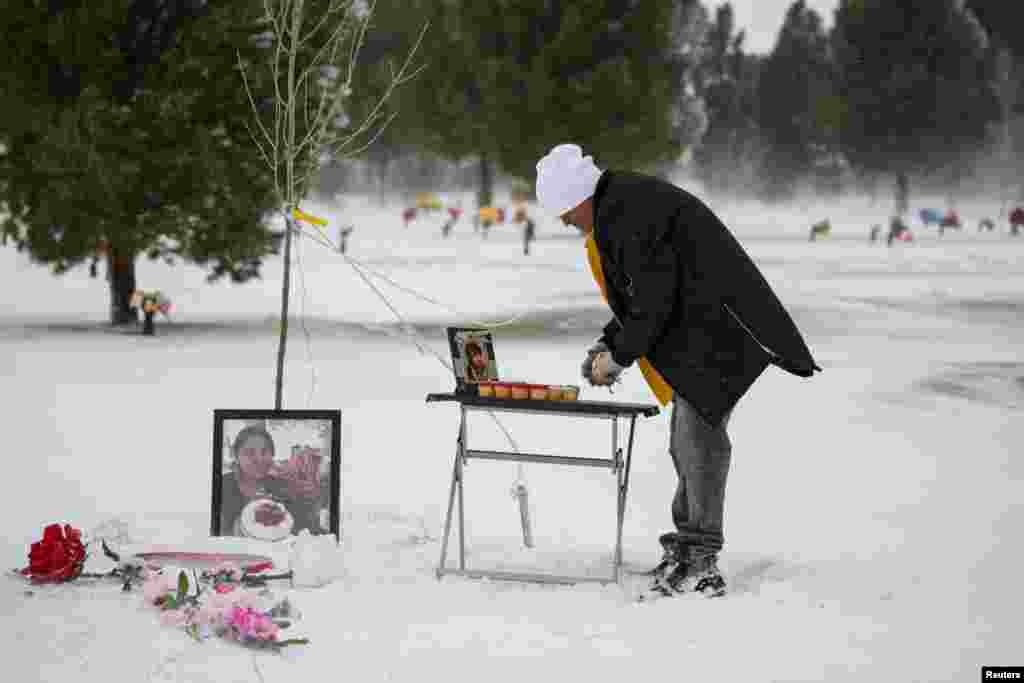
[[227, 602], [151, 303], [59, 556], [215, 604], [300, 474]]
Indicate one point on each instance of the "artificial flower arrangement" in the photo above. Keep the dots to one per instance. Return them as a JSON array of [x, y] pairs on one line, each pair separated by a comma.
[[218, 603], [215, 604], [151, 301]]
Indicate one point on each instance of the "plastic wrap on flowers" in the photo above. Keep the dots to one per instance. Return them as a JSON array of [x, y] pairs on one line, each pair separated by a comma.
[[215, 604]]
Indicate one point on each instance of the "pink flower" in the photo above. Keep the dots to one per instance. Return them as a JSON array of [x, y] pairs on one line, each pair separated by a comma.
[[224, 587], [244, 598], [209, 616], [151, 590], [241, 618], [173, 617], [228, 569], [219, 601], [224, 603], [158, 585], [264, 628], [251, 624]]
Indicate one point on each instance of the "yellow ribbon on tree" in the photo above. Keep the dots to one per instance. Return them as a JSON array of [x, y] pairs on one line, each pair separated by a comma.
[[309, 218], [661, 389]]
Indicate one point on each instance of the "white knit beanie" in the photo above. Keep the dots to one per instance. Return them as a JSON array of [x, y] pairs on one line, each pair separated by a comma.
[[565, 179]]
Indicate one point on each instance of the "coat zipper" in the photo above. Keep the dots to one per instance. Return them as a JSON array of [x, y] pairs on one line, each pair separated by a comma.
[[750, 332]]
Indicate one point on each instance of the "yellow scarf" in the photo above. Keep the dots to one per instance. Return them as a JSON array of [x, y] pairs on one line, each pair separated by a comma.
[[662, 390]]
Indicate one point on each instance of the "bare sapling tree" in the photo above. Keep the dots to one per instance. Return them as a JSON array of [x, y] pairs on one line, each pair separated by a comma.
[[302, 105]]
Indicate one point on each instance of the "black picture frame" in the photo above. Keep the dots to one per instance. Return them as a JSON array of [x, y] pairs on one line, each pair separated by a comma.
[[300, 488], [458, 339]]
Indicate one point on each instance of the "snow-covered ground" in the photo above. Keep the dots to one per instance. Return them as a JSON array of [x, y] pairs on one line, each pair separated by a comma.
[[873, 515]]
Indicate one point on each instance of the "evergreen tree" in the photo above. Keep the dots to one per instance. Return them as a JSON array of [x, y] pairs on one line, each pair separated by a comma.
[[917, 81], [726, 80], [999, 19], [689, 116], [505, 80], [796, 100], [159, 165]]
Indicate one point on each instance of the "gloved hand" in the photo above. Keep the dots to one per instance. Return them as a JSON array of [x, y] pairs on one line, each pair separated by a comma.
[[587, 366], [605, 371]]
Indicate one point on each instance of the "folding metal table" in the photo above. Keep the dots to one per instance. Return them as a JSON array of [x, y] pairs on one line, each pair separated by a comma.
[[583, 409]]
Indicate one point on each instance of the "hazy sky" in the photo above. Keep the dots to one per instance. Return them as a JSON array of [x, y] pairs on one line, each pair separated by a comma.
[[762, 19]]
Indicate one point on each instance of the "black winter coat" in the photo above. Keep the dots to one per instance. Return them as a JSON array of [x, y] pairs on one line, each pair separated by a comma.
[[687, 296]]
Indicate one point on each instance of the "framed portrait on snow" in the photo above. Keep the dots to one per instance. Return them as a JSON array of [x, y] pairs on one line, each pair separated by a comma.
[[473, 358], [276, 473]]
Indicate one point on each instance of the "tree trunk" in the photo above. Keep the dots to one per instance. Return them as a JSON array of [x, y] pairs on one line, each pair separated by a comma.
[[1008, 88], [485, 196], [902, 194], [285, 286], [121, 273]]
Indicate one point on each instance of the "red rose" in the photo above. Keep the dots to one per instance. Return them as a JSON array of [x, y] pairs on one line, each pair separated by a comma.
[[60, 556]]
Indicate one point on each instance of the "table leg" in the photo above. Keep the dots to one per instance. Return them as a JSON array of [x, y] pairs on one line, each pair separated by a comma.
[[616, 458], [460, 461], [621, 463], [623, 491], [456, 481]]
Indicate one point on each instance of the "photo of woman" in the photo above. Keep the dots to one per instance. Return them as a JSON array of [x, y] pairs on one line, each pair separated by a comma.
[[472, 356], [478, 362], [268, 490]]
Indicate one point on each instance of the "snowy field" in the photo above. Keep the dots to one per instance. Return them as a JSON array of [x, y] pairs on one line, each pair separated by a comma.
[[873, 515]]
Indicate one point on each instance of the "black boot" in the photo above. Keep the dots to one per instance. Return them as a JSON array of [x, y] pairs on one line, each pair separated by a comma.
[[672, 561], [697, 573], [672, 550]]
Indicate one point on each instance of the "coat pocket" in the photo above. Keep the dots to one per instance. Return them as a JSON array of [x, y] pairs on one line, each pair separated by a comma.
[[622, 285]]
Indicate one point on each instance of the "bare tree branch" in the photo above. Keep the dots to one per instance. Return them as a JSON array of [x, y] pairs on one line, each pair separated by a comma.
[[252, 103], [308, 100]]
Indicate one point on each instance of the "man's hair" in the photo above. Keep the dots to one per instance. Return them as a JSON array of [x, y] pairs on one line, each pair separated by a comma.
[[473, 347]]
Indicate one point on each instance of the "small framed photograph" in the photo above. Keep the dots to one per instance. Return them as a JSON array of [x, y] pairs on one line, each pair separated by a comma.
[[473, 358], [275, 473]]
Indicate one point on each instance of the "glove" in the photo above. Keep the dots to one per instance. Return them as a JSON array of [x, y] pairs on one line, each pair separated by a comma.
[[605, 371], [587, 366]]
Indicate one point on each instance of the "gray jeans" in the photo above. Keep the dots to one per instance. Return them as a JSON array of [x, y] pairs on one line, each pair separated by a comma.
[[701, 455]]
